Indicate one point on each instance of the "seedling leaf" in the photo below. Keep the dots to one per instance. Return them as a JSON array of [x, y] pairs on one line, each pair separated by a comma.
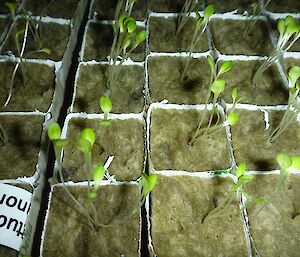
[[11, 6], [105, 104], [281, 26], [284, 161], [234, 94], [84, 146], [46, 50], [89, 135], [131, 26], [148, 182], [54, 131], [209, 11], [91, 196], [225, 67], [241, 169], [295, 162], [294, 74], [218, 86], [140, 37], [232, 118], [211, 63], [98, 173]]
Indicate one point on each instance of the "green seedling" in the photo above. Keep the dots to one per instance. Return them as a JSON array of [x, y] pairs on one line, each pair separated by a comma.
[[288, 29], [222, 209], [188, 7], [127, 37], [217, 86], [200, 26], [106, 107], [256, 11], [148, 183], [287, 165], [20, 47], [85, 145], [3, 135], [293, 107]]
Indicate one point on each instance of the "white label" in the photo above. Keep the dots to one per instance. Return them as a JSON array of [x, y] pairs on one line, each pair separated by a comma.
[[14, 208]]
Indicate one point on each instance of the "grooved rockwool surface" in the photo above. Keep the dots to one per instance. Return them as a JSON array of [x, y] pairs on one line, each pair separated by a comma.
[[178, 206], [54, 36], [19, 156], [52, 8], [171, 131], [162, 37], [170, 5], [35, 93], [165, 80], [126, 94], [105, 10], [123, 139], [228, 37], [269, 89], [222, 6], [249, 139], [68, 226], [98, 45], [275, 229]]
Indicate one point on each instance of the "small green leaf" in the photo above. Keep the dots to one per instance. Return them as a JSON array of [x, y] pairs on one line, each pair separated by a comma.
[[292, 28], [148, 182], [281, 26], [284, 161], [218, 86], [209, 11], [295, 162], [11, 6], [122, 19], [46, 50], [288, 19], [234, 94], [131, 26], [211, 63], [246, 178], [225, 67], [89, 135], [241, 169], [140, 37], [91, 196], [105, 104], [19, 33], [198, 16], [98, 174], [294, 74], [259, 200], [54, 131], [232, 119], [84, 146]]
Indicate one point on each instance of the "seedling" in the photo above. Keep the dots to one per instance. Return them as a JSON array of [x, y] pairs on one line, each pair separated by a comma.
[[188, 7], [217, 86], [223, 208], [148, 183], [3, 135], [17, 33], [288, 29], [126, 39], [293, 107], [256, 11], [85, 145], [200, 26], [287, 165], [106, 107]]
